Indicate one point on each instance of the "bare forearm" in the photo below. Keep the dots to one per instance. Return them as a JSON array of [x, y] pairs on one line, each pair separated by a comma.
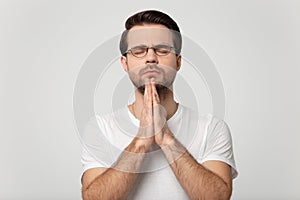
[[116, 182], [198, 182]]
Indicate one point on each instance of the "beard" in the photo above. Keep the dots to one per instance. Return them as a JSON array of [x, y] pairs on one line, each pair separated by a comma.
[[163, 79], [162, 90]]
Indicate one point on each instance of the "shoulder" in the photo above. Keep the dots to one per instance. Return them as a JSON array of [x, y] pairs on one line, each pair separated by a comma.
[[208, 121], [205, 118]]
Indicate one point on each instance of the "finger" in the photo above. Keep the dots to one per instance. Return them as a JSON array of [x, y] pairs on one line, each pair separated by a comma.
[[154, 94], [145, 94], [148, 98], [149, 94], [146, 115]]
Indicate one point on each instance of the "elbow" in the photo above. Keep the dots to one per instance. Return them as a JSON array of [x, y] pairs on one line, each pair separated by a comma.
[[84, 194], [224, 193], [227, 191], [220, 193], [215, 196]]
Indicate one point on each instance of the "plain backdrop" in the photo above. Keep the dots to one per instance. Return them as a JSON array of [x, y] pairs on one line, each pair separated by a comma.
[[254, 44]]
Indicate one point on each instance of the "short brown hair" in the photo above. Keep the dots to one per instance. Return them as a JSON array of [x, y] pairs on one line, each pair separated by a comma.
[[151, 17]]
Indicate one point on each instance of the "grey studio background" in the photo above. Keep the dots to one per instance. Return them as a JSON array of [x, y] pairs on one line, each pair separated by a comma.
[[254, 44]]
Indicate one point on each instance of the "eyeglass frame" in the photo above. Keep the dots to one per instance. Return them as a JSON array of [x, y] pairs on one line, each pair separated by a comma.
[[150, 47]]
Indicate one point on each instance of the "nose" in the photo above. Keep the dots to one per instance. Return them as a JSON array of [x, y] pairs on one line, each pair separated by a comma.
[[151, 57]]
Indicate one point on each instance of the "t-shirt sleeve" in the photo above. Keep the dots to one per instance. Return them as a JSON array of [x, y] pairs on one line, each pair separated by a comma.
[[88, 161], [95, 146], [218, 144]]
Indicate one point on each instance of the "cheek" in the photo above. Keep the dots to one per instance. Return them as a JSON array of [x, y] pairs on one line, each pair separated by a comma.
[[132, 64], [134, 68], [171, 63]]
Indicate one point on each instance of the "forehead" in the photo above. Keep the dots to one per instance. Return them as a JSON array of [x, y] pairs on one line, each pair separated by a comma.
[[149, 35]]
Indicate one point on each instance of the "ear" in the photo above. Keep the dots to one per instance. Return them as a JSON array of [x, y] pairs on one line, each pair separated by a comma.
[[178, 62], [124, 63]]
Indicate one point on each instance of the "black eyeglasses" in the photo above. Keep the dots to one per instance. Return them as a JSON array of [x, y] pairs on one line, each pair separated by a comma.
[[159, 50]]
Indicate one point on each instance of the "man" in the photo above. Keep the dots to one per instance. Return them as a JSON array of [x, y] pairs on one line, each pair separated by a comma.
[[166, 151]]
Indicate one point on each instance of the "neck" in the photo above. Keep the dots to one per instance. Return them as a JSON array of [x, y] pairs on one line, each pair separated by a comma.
[[166, 100]]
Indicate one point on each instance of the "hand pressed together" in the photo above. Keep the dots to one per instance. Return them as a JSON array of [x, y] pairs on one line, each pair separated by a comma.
[[153, 122]]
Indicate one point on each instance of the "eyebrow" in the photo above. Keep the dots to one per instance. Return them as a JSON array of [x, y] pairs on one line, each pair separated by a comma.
[[140, 45], [157, 45]]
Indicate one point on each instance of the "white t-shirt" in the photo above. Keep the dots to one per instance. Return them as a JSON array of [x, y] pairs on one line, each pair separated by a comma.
[[205, 137]]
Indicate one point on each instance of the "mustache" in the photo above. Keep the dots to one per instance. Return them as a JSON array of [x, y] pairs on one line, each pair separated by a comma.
[[148, 67]]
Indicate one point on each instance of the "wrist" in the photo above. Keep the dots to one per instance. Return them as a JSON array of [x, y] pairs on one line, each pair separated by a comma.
[[173, 150], [140, 145], [167, 138]]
